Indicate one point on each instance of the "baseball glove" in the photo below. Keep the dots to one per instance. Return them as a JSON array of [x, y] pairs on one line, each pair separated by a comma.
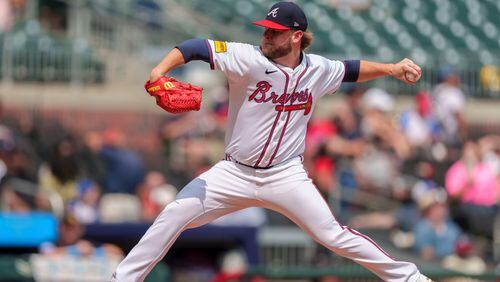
[[174, 96]]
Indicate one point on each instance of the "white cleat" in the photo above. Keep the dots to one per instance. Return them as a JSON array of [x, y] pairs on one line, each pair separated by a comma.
[[424, 278]]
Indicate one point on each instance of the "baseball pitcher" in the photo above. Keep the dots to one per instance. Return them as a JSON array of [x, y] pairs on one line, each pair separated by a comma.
[[273, 89]]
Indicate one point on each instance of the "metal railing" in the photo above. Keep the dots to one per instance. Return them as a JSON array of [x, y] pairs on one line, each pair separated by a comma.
[[41, 58], [285, 247]]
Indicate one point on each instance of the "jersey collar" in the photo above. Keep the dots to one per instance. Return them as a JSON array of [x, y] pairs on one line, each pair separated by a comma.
[[302, 64]]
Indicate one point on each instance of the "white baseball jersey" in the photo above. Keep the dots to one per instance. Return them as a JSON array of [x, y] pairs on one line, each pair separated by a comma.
[[269, 104]]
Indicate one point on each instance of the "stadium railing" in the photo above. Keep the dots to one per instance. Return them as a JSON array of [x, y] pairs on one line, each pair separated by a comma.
[[24, 268]]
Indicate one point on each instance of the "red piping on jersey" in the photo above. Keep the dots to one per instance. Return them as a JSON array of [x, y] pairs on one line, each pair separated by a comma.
[[369, 240], [281, 137], [351, 230], [210, 52], [288, 116], [275, 122], [268, 139]]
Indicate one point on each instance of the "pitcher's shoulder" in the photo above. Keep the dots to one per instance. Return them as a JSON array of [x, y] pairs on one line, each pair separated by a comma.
[[320, 62], [242, 46], [318, 59]]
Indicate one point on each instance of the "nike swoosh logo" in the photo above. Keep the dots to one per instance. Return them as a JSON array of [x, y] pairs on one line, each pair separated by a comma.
[[268, 72]]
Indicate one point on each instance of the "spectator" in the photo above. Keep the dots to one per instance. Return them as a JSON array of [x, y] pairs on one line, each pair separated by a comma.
[[7, 151], [220, 109], [12, 201], [490, 78], [18, 191], [84, 207], [347, 122], [154, 194], [70, 242], [449, 102], [401, 218], [464, 259], [474, 186], [19, 158], [196, 157], [174, 128], [124, 168], [425, 182], [319, 163], [348, 143], [407, 215], [175, 133], [384, 144], [6, 16], [350, 113], [54, 16], [419, 125], [62, 171], [17, 195], [490, 152], [378, 126], [376, 170], [435, 234], [26, 154], [92, 164], [233, 268], [10, 12]]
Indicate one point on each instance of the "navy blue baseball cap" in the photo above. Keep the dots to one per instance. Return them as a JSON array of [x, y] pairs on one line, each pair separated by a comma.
[[284, 16]]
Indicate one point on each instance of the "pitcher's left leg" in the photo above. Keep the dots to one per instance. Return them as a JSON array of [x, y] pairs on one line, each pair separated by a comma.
[[301, 202]]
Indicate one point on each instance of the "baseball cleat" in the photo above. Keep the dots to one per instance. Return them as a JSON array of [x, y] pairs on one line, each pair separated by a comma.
[[424, 278]]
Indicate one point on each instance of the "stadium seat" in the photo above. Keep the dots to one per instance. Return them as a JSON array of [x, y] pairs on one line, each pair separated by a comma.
[[117, 207], [464, 26]]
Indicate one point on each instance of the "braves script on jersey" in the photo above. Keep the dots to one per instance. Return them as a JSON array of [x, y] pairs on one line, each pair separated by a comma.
[[270, 105]]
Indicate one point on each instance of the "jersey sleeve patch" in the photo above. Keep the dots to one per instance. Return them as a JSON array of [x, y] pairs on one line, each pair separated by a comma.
[[220, 46]]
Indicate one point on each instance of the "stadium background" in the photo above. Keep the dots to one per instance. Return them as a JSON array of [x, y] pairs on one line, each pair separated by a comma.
[[88, 160]]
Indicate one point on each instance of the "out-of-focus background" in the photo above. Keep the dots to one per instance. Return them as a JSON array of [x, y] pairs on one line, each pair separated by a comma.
[[87, 160]]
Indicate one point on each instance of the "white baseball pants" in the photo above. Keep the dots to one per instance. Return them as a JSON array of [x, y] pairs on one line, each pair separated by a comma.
[[286, 188]]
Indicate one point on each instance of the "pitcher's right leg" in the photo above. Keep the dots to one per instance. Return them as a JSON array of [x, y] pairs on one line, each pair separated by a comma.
[[201, 201]]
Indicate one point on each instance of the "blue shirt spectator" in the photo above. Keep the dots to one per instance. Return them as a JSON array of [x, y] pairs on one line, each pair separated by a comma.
[[124, 170], [435, 234]]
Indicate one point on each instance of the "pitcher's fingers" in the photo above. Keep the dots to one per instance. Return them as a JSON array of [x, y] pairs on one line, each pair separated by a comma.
[[408, 68], [416, 67]]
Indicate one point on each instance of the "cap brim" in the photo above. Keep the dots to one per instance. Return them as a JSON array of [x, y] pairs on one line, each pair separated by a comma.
[[270, 24]]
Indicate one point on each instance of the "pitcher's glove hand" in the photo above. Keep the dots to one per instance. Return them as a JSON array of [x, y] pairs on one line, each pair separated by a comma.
[[174, 96]]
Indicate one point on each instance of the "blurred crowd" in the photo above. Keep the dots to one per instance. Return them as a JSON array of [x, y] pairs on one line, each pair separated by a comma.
[[421, 173], [418, 173]]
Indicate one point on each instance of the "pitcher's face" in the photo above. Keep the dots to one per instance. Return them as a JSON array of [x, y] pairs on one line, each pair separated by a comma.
[[276, 43]]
